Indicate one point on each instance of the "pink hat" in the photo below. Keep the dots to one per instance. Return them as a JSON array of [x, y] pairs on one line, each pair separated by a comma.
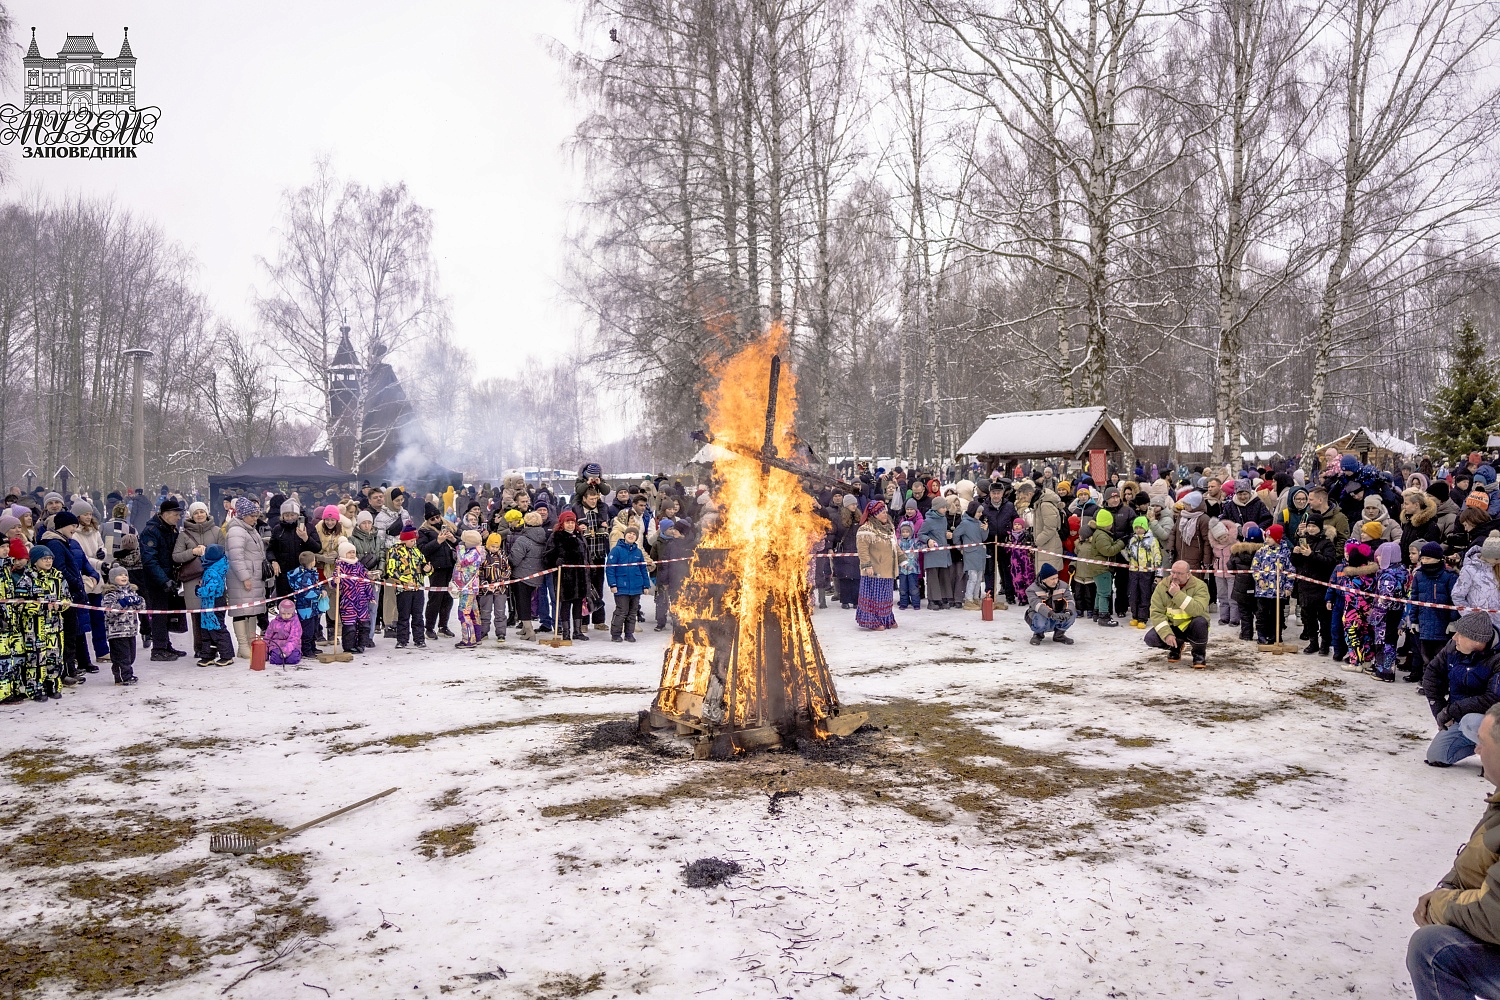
[[330, 513]]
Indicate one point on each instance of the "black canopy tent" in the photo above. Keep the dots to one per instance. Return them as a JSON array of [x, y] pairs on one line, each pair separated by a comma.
[[310, 477]]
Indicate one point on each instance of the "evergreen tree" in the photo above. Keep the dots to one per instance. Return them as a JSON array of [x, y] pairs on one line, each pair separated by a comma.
[[1466, 409]]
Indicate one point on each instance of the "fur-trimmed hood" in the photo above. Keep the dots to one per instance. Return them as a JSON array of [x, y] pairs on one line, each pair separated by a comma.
[[1370, 568], [1242, 548], [1428, 509]]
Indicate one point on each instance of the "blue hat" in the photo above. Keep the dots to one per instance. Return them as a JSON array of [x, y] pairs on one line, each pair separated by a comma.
[[1047, 570], [1485, 473], [39, 552], [1252, 533], [1349, 463], [213, 554]]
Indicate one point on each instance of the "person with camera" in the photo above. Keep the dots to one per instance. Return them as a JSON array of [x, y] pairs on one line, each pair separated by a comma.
[[1049, 607], [1179, 615], [439, 544], [162, 591]]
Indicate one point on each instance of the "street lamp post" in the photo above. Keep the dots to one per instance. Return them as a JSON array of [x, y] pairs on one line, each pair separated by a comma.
[[138, 419]]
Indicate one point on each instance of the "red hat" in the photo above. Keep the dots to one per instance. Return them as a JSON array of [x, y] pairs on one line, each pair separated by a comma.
[[409, 534], [567, 517], [1275, 531], [18, 549]]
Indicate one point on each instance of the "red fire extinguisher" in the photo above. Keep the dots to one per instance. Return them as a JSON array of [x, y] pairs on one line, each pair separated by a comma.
[[258, 653], [987, 608]]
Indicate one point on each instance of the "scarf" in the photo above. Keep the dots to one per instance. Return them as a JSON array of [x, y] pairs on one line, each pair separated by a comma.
[[210, 588], [1189, 523]]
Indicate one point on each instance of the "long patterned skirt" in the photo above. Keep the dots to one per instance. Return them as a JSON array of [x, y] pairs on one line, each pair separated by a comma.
[[874, 608]]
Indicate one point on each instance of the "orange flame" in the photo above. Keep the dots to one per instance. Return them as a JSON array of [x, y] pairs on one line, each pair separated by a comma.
[[775, 672]]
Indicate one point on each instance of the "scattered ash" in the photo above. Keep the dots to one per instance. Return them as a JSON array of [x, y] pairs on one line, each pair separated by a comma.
[[775, 807], [705, 873], [624, 734], [859, 747]]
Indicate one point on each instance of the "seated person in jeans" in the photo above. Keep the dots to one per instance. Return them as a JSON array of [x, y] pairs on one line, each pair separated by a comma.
[[1179, 615], [1456, 949], [1461, 682], [1049, 606]]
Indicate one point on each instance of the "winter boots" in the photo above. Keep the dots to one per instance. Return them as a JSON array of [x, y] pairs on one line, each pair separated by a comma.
[[244, 635], [527, 635]]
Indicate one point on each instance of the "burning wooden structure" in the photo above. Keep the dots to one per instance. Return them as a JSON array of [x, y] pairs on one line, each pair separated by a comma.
[[745, 670]]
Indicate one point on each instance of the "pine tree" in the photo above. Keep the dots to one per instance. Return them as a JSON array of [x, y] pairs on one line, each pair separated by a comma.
[[1466, 408]]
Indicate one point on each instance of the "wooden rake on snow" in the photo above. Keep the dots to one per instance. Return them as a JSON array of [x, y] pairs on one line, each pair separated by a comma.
[[238, 843]]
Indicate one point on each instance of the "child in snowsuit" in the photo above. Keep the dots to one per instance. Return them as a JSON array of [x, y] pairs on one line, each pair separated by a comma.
[[1143, 553], [1022, 560], [1357, 578], [909, 571], [51, 591], [405, 567], [216, 648], [120, 625], [465, 584], [356, 598], [1432, 582], [16, 670], [284, 635], [1390, 588], [628, 578], [1271, 570], [494, 575], [306, 575], [1241, 560]]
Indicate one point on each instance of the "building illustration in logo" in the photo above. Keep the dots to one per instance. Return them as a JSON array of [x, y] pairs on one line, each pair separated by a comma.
[[81, 77]]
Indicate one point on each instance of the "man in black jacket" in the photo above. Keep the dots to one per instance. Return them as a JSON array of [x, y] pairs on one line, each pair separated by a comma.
[[1461, 683], [289, 539], [162, 593], [593, 531], [999, 512], [437, 542]]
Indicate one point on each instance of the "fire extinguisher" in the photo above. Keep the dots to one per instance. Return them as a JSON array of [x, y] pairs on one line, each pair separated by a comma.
[[258, 653], [987, 608]]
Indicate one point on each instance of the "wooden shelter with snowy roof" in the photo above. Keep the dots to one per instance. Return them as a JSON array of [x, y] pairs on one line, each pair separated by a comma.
[[1084, 431], [1377, 448]]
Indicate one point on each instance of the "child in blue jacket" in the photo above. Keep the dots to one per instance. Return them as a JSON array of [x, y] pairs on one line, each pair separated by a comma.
[[306, 575], [1431, 582], [628, 576]]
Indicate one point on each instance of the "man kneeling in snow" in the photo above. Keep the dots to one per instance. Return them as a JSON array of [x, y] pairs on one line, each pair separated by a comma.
[[1179, 615], [1049, 607], [1454, 953], [1461, 682]]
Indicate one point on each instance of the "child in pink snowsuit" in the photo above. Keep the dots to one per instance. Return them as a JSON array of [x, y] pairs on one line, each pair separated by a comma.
[[284, 635]]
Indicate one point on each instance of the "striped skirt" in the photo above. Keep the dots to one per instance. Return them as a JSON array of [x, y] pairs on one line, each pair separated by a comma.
[[874, 608]]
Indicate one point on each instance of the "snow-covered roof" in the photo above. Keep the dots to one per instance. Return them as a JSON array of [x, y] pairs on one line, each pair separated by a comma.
[[1378, 439], [1042, 433], [1190, 436]]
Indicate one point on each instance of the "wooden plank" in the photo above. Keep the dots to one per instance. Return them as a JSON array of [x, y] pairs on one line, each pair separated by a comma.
[[844, 725]]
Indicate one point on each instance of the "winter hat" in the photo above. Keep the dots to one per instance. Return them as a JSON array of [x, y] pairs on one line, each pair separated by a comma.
[[8, 524], [19, 511], [1047, 570], [494, 539], [1193, 501], [1439, 491], [1253, 533], [1490, 550], [38, 553], [213, 554], [1432, 550], [470, 538], [567, 517], [1356, 553], [1299, 477], [364, 517], [1110, 492], [1276, 532], [409, 534], [911, 503], [290, 506], [117, 572], [1373, 530], [631, 529], [534, 518], [18, 549], [850, 500], [1266, 486], [331, 513], [665, 524], [196, 506], [1349, 464], [1478, 500], [1372, 502], [346, 550], [1242, 486], [430, 510], [168, 505], [592, 469], [51, 497], [1141, 522], [83, 507], [286, 606], [1104, 519], [62, 519], [245, 507], [1388, 553], [1475, 625]]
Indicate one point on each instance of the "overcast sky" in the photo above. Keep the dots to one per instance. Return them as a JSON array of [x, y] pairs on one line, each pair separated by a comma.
[[462, 100]]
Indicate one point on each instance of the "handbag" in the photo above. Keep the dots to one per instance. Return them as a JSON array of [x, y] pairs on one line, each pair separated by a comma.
[[188, 571]]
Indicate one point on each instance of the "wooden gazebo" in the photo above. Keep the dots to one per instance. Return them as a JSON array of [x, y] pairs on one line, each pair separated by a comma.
[[1042, 434]]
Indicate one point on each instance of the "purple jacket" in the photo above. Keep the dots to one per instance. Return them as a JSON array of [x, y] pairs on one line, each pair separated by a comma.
[[284, 635]]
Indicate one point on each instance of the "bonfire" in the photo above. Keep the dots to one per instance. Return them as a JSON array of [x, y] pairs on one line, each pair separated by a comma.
[[744, 670]]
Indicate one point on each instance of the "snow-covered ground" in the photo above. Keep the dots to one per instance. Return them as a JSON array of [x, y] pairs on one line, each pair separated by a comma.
[[1077, 821]]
